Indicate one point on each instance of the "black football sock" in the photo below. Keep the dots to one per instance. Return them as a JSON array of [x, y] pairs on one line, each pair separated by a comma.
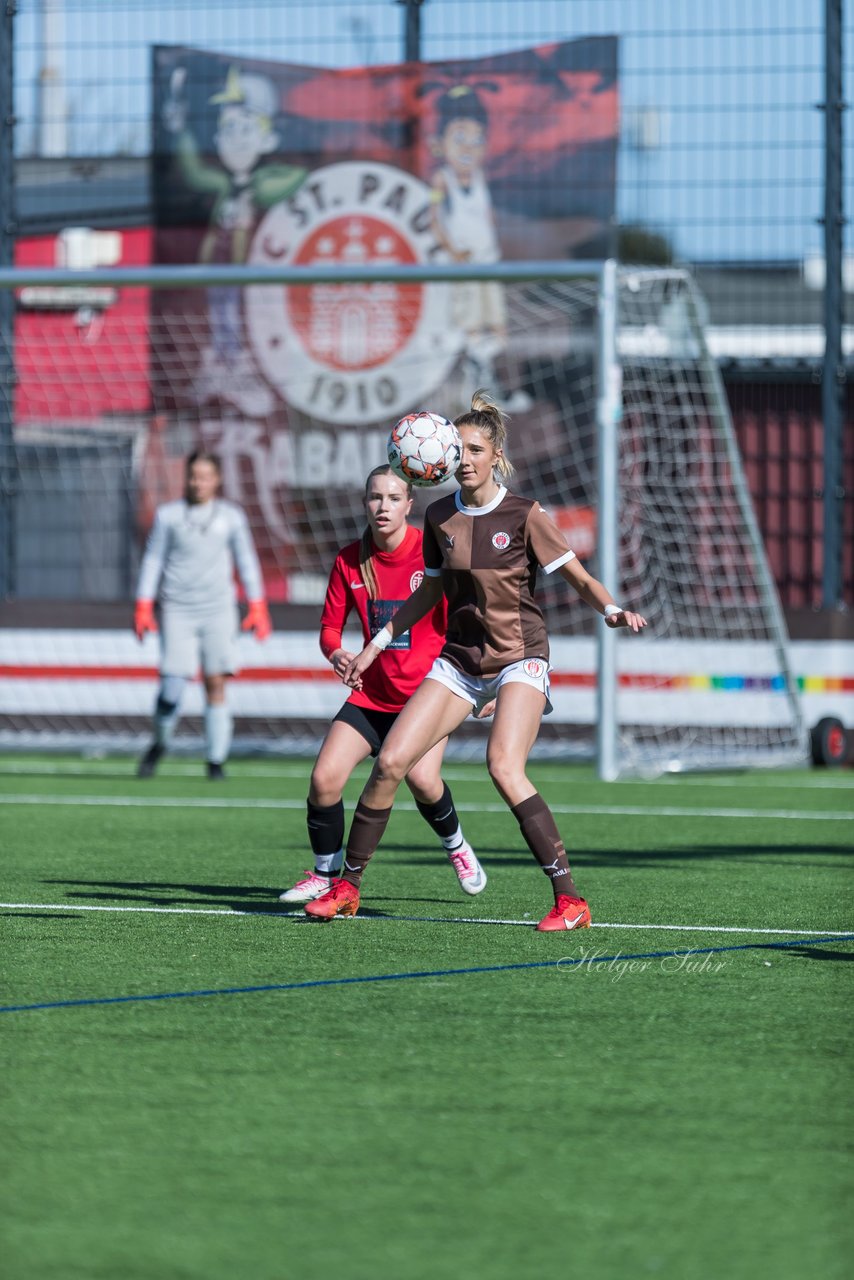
[[442, 817], [326, 835]]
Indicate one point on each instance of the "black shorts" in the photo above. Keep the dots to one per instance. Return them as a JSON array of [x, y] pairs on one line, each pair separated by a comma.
[[373, 725]]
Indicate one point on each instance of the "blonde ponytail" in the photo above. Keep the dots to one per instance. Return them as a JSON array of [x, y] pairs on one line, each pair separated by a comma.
[[366, 563], [486, 416]]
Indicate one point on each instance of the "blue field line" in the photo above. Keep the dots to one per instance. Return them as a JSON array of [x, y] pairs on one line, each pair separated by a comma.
[[564, 963]]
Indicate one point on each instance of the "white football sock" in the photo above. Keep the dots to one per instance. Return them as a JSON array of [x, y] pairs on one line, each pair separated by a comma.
[[218, 724], [454, 841], [327, 864]]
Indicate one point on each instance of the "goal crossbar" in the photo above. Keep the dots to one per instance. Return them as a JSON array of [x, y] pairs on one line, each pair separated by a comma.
[[203, 276]]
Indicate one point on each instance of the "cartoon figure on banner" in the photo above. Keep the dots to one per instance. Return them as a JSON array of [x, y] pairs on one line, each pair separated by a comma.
[[242, 189], [464, 224]]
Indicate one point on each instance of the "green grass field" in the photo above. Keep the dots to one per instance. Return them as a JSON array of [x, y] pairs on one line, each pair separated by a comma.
[[197, 1084]]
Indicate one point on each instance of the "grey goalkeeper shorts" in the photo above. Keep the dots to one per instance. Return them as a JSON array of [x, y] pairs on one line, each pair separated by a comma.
[[190, 638]]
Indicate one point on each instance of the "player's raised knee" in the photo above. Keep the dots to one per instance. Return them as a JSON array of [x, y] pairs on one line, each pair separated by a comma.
[[392, 765], [327, 782]]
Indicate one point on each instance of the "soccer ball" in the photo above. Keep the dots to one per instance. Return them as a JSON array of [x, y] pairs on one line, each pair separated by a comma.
[[424, 448]]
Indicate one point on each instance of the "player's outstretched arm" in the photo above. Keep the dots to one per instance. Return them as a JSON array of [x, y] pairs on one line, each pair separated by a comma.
[[246, 558], [419, 604], [151, 569], [599, 598]]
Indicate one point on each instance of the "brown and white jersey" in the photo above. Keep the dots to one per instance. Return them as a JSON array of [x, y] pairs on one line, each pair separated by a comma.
[[488, 559]]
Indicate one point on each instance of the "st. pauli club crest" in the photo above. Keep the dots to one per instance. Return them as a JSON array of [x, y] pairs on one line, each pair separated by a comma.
[[348, 353]]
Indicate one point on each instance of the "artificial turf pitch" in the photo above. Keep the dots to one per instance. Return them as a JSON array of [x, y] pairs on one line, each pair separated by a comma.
[[412, 1094]]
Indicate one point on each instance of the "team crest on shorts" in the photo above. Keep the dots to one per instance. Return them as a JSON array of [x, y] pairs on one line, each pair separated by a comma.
[[416, 580], [534, 667], [501, 541], [352, 353]]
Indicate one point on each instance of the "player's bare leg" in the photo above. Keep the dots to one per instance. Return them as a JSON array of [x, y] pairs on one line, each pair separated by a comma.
[[436, 805], [518, 713], [343, 748]]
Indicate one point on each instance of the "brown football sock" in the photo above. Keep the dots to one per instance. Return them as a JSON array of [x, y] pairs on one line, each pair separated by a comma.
[[366, 831], [543, 839]]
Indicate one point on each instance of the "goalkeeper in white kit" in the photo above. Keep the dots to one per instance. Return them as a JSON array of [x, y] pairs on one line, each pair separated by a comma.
[[189, 563]]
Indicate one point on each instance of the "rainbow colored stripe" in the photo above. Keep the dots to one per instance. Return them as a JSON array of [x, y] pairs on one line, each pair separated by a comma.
[[707, 683], [559, 679]]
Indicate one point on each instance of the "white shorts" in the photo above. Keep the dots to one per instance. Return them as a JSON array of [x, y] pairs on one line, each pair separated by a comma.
[[478, 690], [189, 639]]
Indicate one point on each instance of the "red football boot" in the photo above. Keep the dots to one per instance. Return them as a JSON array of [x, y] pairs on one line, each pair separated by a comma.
[[342, 899], [567, 913]]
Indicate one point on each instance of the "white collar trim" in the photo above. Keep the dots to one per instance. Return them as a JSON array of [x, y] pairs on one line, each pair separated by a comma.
[[480, 511]]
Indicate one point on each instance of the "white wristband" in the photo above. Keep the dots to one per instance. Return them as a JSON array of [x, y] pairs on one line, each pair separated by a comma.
[[383, 638], [611, 609]]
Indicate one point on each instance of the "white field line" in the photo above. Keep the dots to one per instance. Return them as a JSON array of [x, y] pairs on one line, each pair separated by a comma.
[[609, 810], [841, 782], [234, 912], [93, 768]]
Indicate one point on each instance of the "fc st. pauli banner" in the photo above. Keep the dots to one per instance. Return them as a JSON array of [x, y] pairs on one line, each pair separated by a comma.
[[501, 158]]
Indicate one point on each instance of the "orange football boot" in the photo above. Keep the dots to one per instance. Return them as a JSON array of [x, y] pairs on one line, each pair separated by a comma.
[[342, 899], [567, 913]]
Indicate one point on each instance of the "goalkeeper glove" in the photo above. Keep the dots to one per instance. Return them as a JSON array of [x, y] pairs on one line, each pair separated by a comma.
[[258, 619], [143, 618]]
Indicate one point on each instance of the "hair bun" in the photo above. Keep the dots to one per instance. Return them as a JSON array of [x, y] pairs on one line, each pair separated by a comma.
[[482, 402]]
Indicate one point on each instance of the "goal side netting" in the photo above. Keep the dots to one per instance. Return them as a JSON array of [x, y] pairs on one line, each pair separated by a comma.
[[711, 684]]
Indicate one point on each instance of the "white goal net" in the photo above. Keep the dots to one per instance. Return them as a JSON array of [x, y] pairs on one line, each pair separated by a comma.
[[116, 385], [710, 686]]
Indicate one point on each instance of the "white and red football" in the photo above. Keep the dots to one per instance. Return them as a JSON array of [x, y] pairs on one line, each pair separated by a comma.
[[424, 448]]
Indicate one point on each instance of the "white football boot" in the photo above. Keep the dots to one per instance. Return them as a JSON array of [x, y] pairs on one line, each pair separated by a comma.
[[313, 885], [470, 873]]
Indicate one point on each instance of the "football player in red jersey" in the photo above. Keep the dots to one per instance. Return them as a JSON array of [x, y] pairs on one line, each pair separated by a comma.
[[483, 547], [374, 576]]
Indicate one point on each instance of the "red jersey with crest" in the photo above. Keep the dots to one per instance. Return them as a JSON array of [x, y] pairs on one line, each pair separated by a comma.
[[398, 671]]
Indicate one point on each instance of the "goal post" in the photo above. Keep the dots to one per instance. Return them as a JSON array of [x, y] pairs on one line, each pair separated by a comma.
[[609, 400], [619, 425]]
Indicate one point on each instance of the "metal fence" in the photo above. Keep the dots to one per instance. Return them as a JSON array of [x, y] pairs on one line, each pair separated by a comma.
[[729, 160]]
